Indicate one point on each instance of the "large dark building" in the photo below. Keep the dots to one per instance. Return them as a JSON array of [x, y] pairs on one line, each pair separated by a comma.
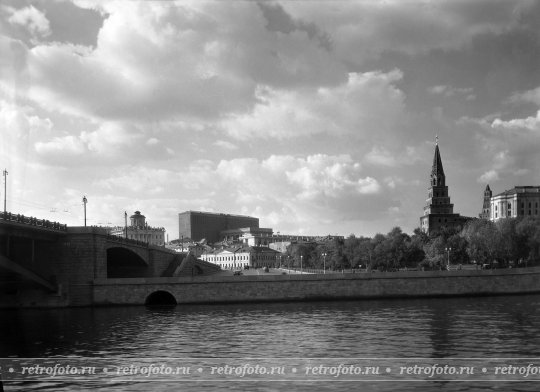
[[439, 212], [208, 225]]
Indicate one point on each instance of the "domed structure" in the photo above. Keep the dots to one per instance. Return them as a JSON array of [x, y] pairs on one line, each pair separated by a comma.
[[140, 231], [138, 220]]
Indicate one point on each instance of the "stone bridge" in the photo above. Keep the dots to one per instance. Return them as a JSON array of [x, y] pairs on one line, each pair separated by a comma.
[[45, 263]]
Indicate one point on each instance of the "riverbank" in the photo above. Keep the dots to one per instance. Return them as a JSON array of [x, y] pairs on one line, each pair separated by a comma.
[[309, 287], [278, 287]]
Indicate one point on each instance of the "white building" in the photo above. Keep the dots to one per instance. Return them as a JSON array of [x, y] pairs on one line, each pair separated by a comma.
[[140, 231], [243, 256], [517, 202]]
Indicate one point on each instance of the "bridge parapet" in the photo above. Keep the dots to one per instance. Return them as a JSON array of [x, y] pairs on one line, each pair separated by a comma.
[[8, 217]]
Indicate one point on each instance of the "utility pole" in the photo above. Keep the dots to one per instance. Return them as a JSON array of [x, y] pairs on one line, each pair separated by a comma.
[[5, 190], [85, 200]]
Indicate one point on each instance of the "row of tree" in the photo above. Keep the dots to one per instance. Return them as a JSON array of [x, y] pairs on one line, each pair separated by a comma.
[[507, 242]]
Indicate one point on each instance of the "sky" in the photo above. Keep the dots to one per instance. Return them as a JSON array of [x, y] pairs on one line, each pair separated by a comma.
[[318, 117]]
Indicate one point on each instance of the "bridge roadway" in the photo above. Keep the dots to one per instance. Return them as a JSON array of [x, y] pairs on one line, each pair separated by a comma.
[[46, 263]]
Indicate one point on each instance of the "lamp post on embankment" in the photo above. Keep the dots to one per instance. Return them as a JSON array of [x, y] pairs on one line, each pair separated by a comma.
[[324, 262], [85, 200], [448, 250]]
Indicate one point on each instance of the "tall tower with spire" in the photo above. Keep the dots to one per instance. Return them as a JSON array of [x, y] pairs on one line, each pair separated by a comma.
[[486, 207], [438, 211]]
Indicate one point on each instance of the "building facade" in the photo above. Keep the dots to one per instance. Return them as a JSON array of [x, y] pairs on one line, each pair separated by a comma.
[[198, 225], [519, 201], [140, 231], [243, 256], [438, 211]]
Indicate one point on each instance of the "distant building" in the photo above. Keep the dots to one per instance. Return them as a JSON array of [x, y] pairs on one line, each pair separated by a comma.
[[243, 256], [439, 212], [208, 225], [140, 231], [486, 207], [514, 203]]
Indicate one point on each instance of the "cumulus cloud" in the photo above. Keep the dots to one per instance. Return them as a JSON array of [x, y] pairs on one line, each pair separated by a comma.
[[489, 176], [367, 102], [408, 27], [289, 191], [32, 19], [449, 91], [225, 145], [68, 146], [529, 123], [177, 61], [527, 96], [20, 126]]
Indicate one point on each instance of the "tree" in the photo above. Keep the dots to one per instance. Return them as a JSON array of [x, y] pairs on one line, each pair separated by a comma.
[[529, 230], [435, 254], [483, 241]]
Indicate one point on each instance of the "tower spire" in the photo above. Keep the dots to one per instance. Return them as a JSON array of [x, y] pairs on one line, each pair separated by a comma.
[[437, 171]]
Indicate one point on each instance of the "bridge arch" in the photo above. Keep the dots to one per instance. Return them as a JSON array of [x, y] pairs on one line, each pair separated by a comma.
[[160, 297], [124, 263]]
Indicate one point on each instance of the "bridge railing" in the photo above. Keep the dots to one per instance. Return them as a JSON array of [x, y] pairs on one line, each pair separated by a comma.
[[124, 240], [32, 221]]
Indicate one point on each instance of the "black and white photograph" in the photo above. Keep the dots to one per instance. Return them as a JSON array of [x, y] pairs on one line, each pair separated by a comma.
[[270, 195]]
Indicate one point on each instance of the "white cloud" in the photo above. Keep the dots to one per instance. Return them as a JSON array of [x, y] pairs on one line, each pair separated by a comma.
[[527, 96], [34, 20], [489, 176], [449, 91], [67, 146], [380, 156], [225, 145], [367, 102], [366, 29], [292, 192], [529, 123]]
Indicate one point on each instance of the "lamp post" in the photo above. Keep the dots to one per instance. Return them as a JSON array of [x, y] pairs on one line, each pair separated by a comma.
[[448, 250], [85, 200], [324, 262], [125, 224], [301, 258], [5, 189]]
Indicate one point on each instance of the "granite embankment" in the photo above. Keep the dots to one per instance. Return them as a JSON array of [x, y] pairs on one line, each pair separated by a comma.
[[261, 288]]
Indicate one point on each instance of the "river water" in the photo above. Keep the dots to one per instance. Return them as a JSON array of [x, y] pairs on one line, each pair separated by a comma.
[[488, 331]]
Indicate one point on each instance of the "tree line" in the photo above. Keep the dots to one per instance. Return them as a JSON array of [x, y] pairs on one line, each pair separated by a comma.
[[510, 242]]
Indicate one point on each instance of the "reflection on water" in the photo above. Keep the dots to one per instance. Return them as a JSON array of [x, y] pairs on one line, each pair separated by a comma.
[[429, 328]]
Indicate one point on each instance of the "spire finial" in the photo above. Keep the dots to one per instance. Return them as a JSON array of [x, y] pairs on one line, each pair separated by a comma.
[[436, 140]]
